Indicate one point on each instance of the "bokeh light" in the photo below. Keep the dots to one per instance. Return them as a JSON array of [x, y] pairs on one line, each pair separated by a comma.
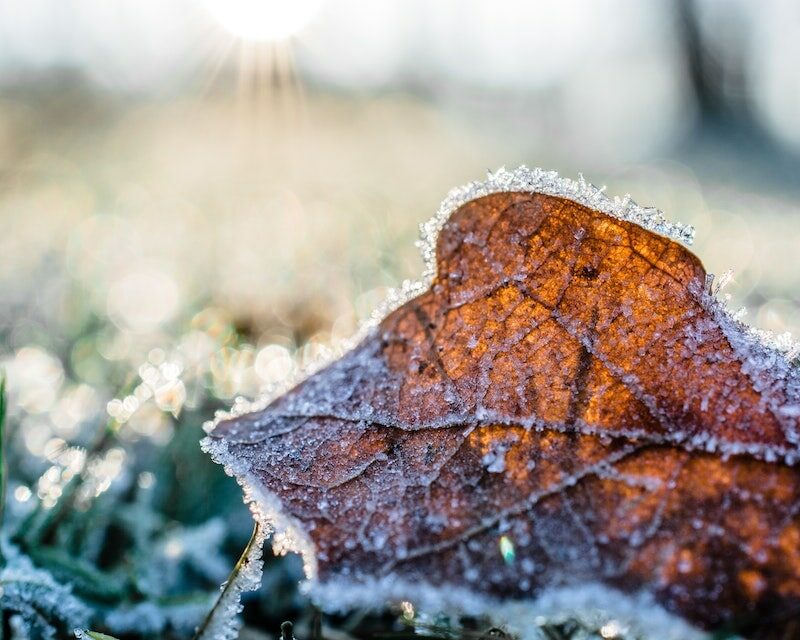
[[264, 20]]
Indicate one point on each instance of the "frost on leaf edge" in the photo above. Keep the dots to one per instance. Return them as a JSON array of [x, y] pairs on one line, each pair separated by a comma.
[[591, 604], [763, 349], [287, 536]]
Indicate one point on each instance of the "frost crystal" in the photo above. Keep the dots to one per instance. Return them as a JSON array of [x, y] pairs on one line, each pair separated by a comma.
[[526, 180], [223, 623]]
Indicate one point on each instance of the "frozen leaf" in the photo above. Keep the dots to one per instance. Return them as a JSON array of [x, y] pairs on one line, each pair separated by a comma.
[[565, 412]]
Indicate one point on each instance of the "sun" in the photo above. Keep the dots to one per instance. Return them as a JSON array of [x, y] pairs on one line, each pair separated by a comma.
[[264, 20]]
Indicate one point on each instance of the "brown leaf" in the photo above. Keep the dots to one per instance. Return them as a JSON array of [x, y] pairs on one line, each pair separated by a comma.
[[565, 405]]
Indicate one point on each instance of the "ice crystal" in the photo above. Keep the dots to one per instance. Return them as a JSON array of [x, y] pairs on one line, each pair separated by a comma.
[[590, 605], [223, 623]]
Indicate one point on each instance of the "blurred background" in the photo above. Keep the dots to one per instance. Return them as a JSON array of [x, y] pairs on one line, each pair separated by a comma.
[[198, 197]]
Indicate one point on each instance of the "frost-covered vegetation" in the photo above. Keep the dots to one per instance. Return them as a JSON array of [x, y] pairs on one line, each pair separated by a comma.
[[124, 535], [138, 296]]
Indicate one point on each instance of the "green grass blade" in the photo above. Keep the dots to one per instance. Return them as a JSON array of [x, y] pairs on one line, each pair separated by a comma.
[[3, 461]]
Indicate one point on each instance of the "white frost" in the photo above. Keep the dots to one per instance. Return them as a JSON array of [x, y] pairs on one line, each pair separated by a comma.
[[593, 605], [287, 535]]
